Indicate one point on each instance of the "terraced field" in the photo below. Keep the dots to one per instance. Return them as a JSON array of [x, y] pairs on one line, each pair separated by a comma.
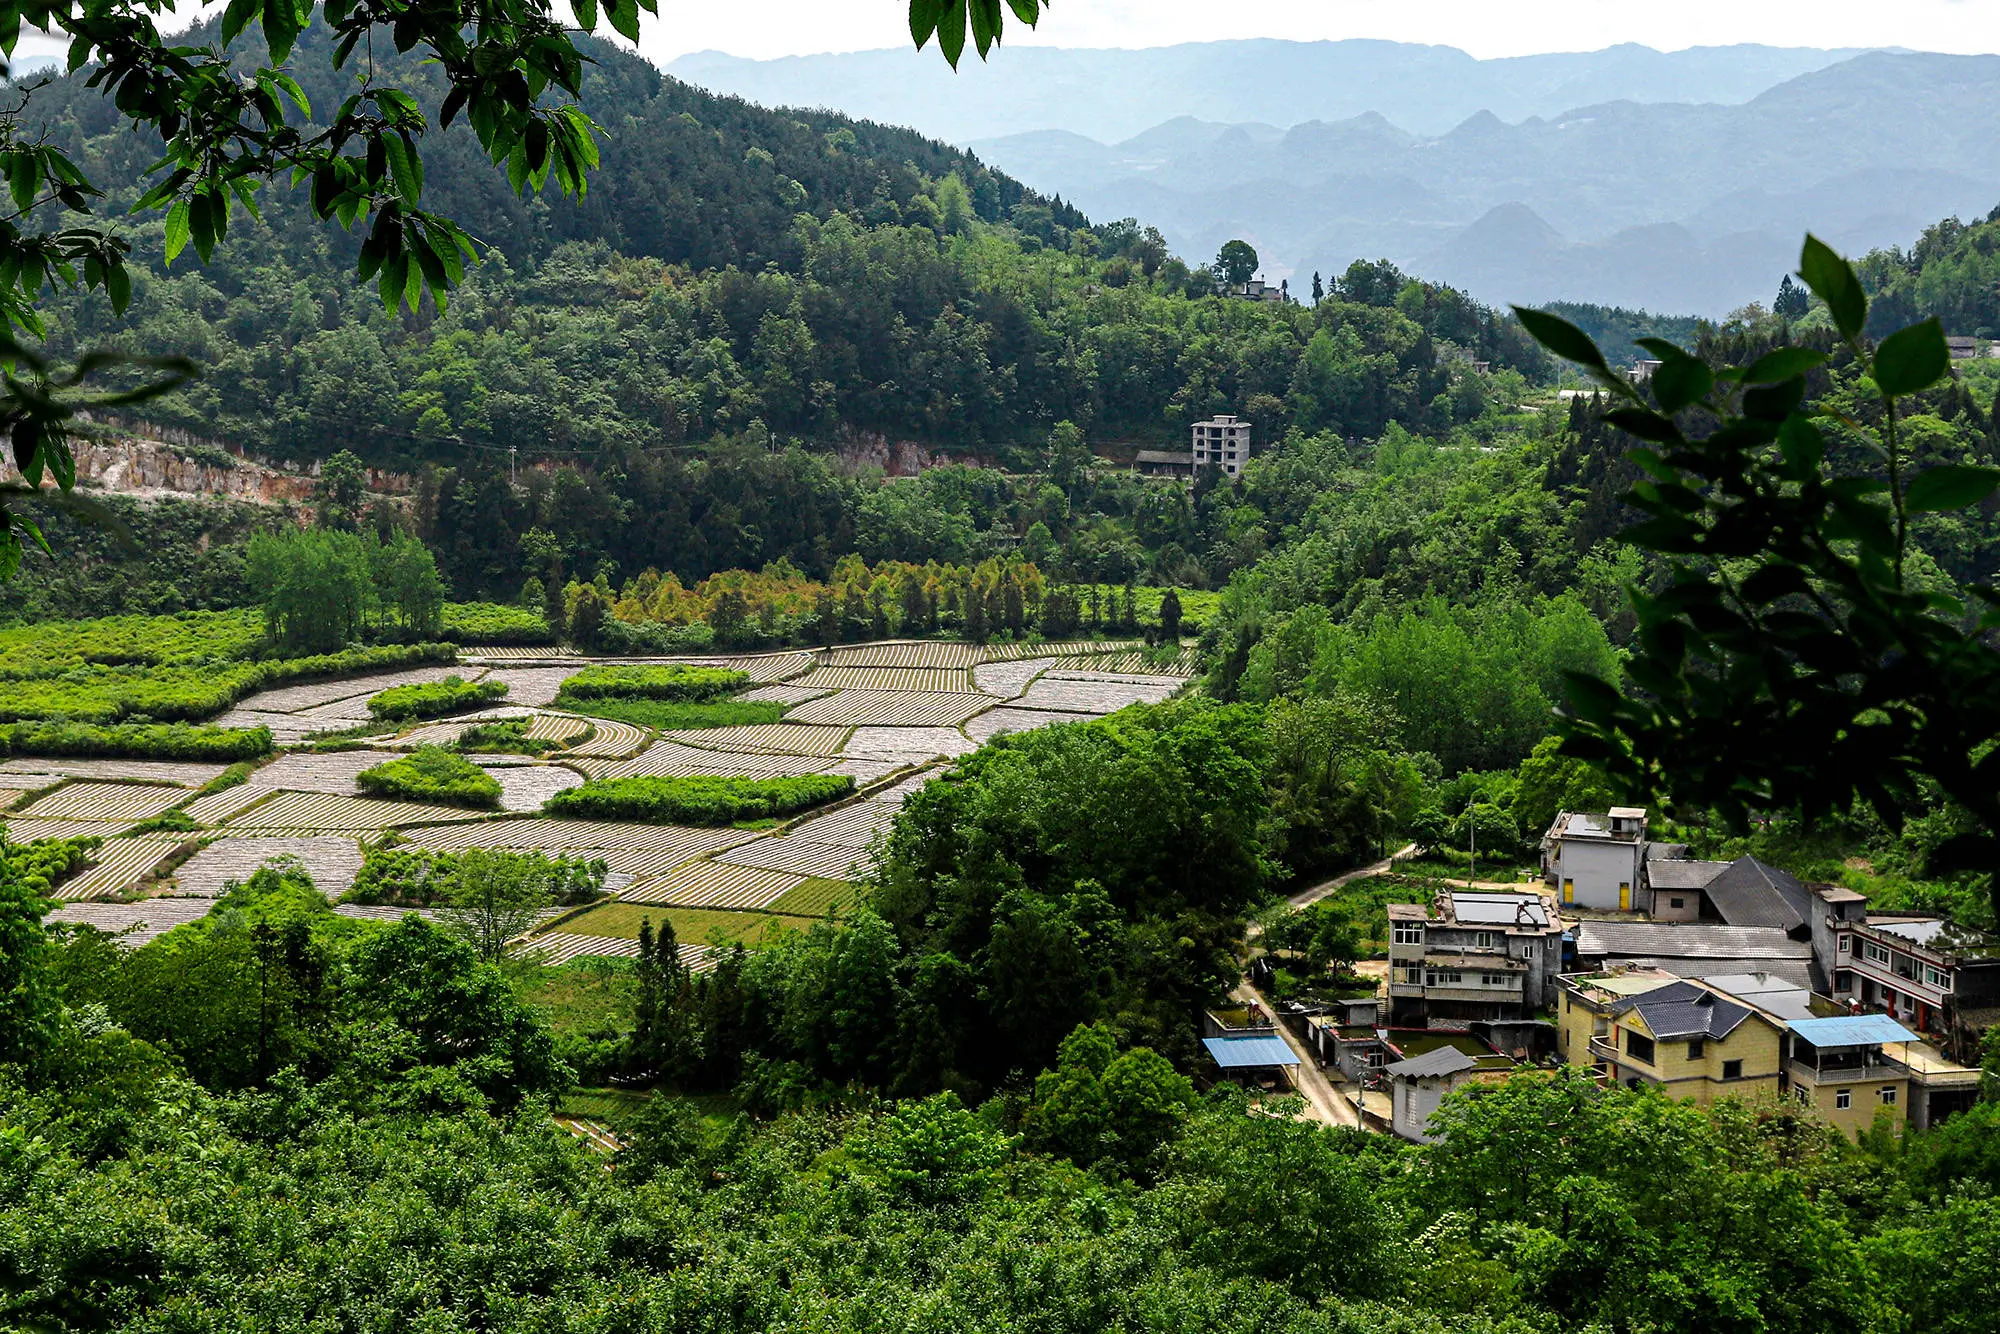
[[885, 714]]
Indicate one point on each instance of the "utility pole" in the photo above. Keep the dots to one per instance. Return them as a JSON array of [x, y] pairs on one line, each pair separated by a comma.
[[510, 463], [1472, 842]]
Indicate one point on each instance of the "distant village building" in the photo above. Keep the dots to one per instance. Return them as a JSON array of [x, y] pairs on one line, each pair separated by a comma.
[[1473, 956], [1221, 442], [1942, 978], [1163, 463], [1962, 347], [1258, 290]]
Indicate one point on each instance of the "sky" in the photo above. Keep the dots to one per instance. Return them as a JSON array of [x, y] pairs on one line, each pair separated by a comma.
[[1485, 28]]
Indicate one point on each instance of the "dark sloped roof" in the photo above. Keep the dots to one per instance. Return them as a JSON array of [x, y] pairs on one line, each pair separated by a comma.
[[1684, 1010], [1184, 458], [1754, 893], [1798, 972], [1437, 1061], [1679, 873]]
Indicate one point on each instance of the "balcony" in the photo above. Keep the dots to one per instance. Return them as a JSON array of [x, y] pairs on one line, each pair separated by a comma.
[[1603, 1049], [1406, 989], [1879, 1068]]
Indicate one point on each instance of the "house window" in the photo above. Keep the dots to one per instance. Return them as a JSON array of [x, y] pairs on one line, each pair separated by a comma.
[[1409, 935], [1804, 1095], [1888, 1097], [1445, 978], [1844, 1099], [1843, 980], [1874, 953], [1677, 903], [1732, 1069], [1482, 940], [1843, 944], [1414, 975], [1639, 1047], [1528, 949], [1493, 979], [1937, 977], [1696, 1048]]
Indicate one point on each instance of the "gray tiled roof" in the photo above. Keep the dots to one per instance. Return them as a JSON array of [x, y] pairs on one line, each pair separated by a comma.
[[1754, 893], [1684, 1010], [1674, 873], [1437, 1061], [1686, 940]]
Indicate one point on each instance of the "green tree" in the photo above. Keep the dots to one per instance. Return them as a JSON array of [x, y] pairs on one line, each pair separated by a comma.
[[494, 896], [935, 1152], [1550, 781], [1236, 262], [1791, 301], [27, 1003], [338, 494], [1170, 616]]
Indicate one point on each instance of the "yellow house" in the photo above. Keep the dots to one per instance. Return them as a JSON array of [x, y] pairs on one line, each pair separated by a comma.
[[1643, 1027], [1839, 1069]]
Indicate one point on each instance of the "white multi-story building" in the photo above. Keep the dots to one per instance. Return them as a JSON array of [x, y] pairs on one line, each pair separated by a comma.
[[1222, 443], [1596, 861]]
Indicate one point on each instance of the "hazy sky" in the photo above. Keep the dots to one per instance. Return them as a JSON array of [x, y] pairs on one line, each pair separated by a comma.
[[1482, 27]]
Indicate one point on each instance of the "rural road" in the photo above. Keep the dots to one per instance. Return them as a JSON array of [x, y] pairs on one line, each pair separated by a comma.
[[1326, 887], [1323, 1101]]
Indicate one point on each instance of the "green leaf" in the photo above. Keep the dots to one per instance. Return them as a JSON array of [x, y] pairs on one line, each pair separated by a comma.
[[623, 15], [281, 27], [1912, 359], [1564, 339], [1832, 280], [951, 32], [237, 17], [1646, 425], [1951, 487], [177, 229], [1782, 364], [1681, 380], [924, 20], [586, 14], [1028, 11]]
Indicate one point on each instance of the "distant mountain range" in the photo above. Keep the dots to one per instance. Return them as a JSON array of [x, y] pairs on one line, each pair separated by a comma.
[[1689, 192], [1111, 95]]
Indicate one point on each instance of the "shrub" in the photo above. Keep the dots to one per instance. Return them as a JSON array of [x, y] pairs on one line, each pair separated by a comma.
[[433, 699], [175, 821], [494, 623], [667, 716], [686, 685], [506, 737], [416, 878], [434, 774], [701, 800], [144, 741], [45, 863]]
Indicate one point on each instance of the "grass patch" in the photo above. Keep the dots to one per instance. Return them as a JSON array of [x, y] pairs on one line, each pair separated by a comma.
[[678, 684], [583, 997], [667, 715], [433, 774], [494, 623], [816, 898], [433, 699], [136, 741], [697, 800], [612, 1107], [693, 926], [506, 737]]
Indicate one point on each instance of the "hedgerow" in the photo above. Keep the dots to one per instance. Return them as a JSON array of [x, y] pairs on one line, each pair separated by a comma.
[[433, 774], [508, 736], [143, 741], [494, 623], [666, 715], [433, 699], [45, 863], [417, 878], [675, 683], [96, 689], [698, 800]]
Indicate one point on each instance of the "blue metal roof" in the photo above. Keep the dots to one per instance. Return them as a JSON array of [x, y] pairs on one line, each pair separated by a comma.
[[1234, 1053], [1851, 1030]]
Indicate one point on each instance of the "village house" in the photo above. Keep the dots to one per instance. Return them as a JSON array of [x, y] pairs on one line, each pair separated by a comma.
[[1644, 1026], [1691, 949], [1439, 1065], [1598, 861], [1163, 463], [1222, 443], [1924, 971], [1473, 956]]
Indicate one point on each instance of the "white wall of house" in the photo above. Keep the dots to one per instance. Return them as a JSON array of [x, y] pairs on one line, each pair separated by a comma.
[[1588, 874], [1411, 1102]]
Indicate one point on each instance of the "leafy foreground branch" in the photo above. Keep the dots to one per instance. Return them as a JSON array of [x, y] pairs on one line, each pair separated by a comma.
[[1793, 659]]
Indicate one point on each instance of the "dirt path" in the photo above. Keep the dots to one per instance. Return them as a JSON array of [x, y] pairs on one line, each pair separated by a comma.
[[1326, 887], [1323, 1100]]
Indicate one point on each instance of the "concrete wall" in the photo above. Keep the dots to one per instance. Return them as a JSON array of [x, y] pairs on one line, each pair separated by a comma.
[[1412, 1101], [1865, 1101], [1588, 874]]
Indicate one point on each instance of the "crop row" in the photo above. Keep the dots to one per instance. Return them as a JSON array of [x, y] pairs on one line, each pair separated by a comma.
[[699, 799]]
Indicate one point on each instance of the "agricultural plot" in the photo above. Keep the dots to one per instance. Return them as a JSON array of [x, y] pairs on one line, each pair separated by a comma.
[[579, 837], [1065, 648], [218, 807], [1134, 661], [995, 721], [318, 694], [670, 759], [447, 732], [557, 727], [332, 862], [780, 693], [914, 653], [692, 926], [800, 856], [554, 949], [531, 686], [908, 745], [931, 680], [524, 787], [853, 826], [889, 708], [23, 830], [867, 769], [1008, 679], [313, 812], [714, 885], [1092, 697], [118, 864], [783, 738], [104, 801], [186, 773], [610, 740], [1118, 678], [511, 654], [133, 923]]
